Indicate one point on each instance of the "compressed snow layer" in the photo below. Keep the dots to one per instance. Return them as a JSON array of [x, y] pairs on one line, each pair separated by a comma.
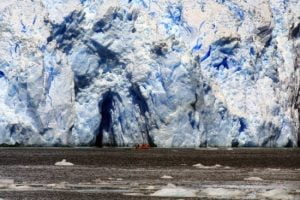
[[169, 73]]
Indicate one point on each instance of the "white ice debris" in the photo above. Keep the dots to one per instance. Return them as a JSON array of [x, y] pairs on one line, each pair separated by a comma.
[[4, 183], [277, 194], [173, 191], [150, 187], [7, 181], [10, 184], [166, 177], [253, 179], [201, 166], [273, 169], [20, 187], [133, 194], [222, 192], [64, 163]]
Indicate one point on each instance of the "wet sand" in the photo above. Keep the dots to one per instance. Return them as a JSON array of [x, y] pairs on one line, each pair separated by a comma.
[[125, 173]]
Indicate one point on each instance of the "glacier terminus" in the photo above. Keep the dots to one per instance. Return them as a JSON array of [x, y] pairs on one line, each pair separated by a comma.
[[169, 73]]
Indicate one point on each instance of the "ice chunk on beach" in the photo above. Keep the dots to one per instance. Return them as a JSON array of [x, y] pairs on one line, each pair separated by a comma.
[[253, 179], [166, 177], [222, 193], [275, 194], [200, 166], [4, 183], [173, 191], [64, 163]]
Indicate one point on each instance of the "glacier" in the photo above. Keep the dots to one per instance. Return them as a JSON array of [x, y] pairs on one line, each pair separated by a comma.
[[169, 73]]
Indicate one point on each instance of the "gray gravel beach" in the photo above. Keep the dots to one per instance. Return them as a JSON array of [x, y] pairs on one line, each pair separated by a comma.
[[126, 173]]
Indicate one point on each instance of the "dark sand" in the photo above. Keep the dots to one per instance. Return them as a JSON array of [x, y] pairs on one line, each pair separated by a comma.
[[125, 173]]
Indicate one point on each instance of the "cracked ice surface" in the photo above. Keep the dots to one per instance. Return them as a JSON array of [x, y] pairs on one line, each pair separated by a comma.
[[176, 73]]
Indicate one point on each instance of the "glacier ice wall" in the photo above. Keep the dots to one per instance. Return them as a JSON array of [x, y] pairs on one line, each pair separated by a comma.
[[171, 73]]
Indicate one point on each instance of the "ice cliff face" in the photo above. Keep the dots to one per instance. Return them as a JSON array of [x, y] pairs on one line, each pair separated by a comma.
[[171, 73]]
